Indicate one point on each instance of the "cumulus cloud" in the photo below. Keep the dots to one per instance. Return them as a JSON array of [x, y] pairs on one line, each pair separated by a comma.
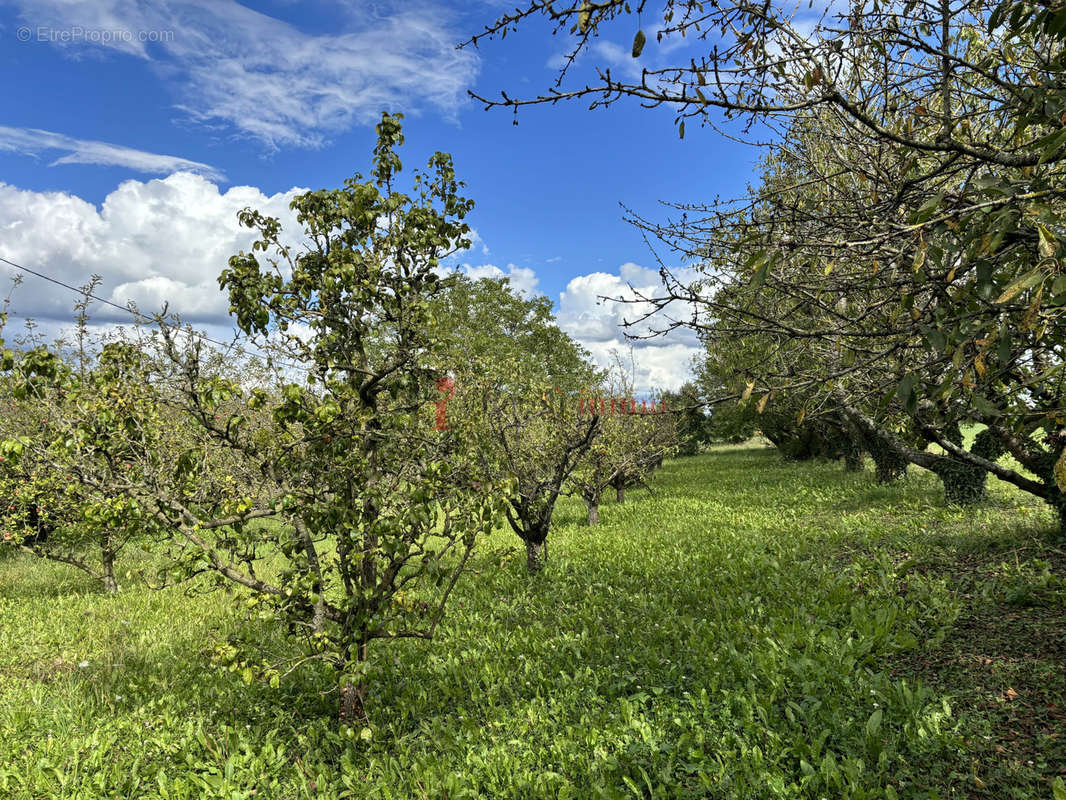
[[166, 240], [523, 280], [266, 79], [598, 309], [34, 142], [595, 309], [163, 240]]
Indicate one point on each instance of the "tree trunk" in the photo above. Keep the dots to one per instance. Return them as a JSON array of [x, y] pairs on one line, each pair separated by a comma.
[[620, 492], [964, 484], [890, 465], [854, 461], [351, 704], [107, 557], [854, 458], [353, 695], [536, 555], [594, 510], [110, 584]]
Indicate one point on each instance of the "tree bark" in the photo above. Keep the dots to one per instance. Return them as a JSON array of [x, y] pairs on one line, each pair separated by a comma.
[[353, 694], [620, 492], [964, 484], [854, 457], [889, 465], [536, 555], [107, 558], [351, 704], [594, 511]]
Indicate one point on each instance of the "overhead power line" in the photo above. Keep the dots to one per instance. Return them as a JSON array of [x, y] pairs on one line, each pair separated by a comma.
[[136, 315], [58, 282]]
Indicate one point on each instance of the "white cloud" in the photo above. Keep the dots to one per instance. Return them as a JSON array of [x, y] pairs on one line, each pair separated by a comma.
[[477, 242], [523, 279], [666, 366], [163, 240], [31, 141], [587, 312], [266, 78], [595, 308], [166, 240]]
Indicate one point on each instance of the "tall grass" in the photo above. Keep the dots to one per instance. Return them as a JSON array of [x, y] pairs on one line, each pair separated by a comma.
[[753, 629]]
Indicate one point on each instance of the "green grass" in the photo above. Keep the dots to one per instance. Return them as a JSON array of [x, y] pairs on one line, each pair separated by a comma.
[[754, 629]]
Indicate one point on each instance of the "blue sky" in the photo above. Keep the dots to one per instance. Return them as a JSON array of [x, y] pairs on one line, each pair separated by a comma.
[[133, 132]]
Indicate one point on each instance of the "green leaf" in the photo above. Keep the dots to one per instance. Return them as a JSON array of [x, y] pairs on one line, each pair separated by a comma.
[[1060, 472], [1056, 24], [1054, 144], [1004, 348], [936, 338], [873, 724], [905, 390], [985, 406], [919, 257], [760, 263], [926, 209], [996, 17]]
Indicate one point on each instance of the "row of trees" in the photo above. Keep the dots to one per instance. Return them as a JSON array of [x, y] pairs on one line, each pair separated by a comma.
[[895, 278], [315, 480]]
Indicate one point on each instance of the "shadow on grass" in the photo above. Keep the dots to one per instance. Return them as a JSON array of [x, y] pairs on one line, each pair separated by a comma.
[[45, 579], [1002, 660]]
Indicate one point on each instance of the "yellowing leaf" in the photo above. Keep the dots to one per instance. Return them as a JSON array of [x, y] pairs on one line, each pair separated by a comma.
[[1047, 242], [762, 403], [747, 392], [584, 18], [979, 365], [919, 256], [1033, 310], [1060, 472], [1029, 279]]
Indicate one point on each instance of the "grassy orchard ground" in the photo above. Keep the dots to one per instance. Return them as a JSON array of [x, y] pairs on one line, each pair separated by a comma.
[[756, 629]]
